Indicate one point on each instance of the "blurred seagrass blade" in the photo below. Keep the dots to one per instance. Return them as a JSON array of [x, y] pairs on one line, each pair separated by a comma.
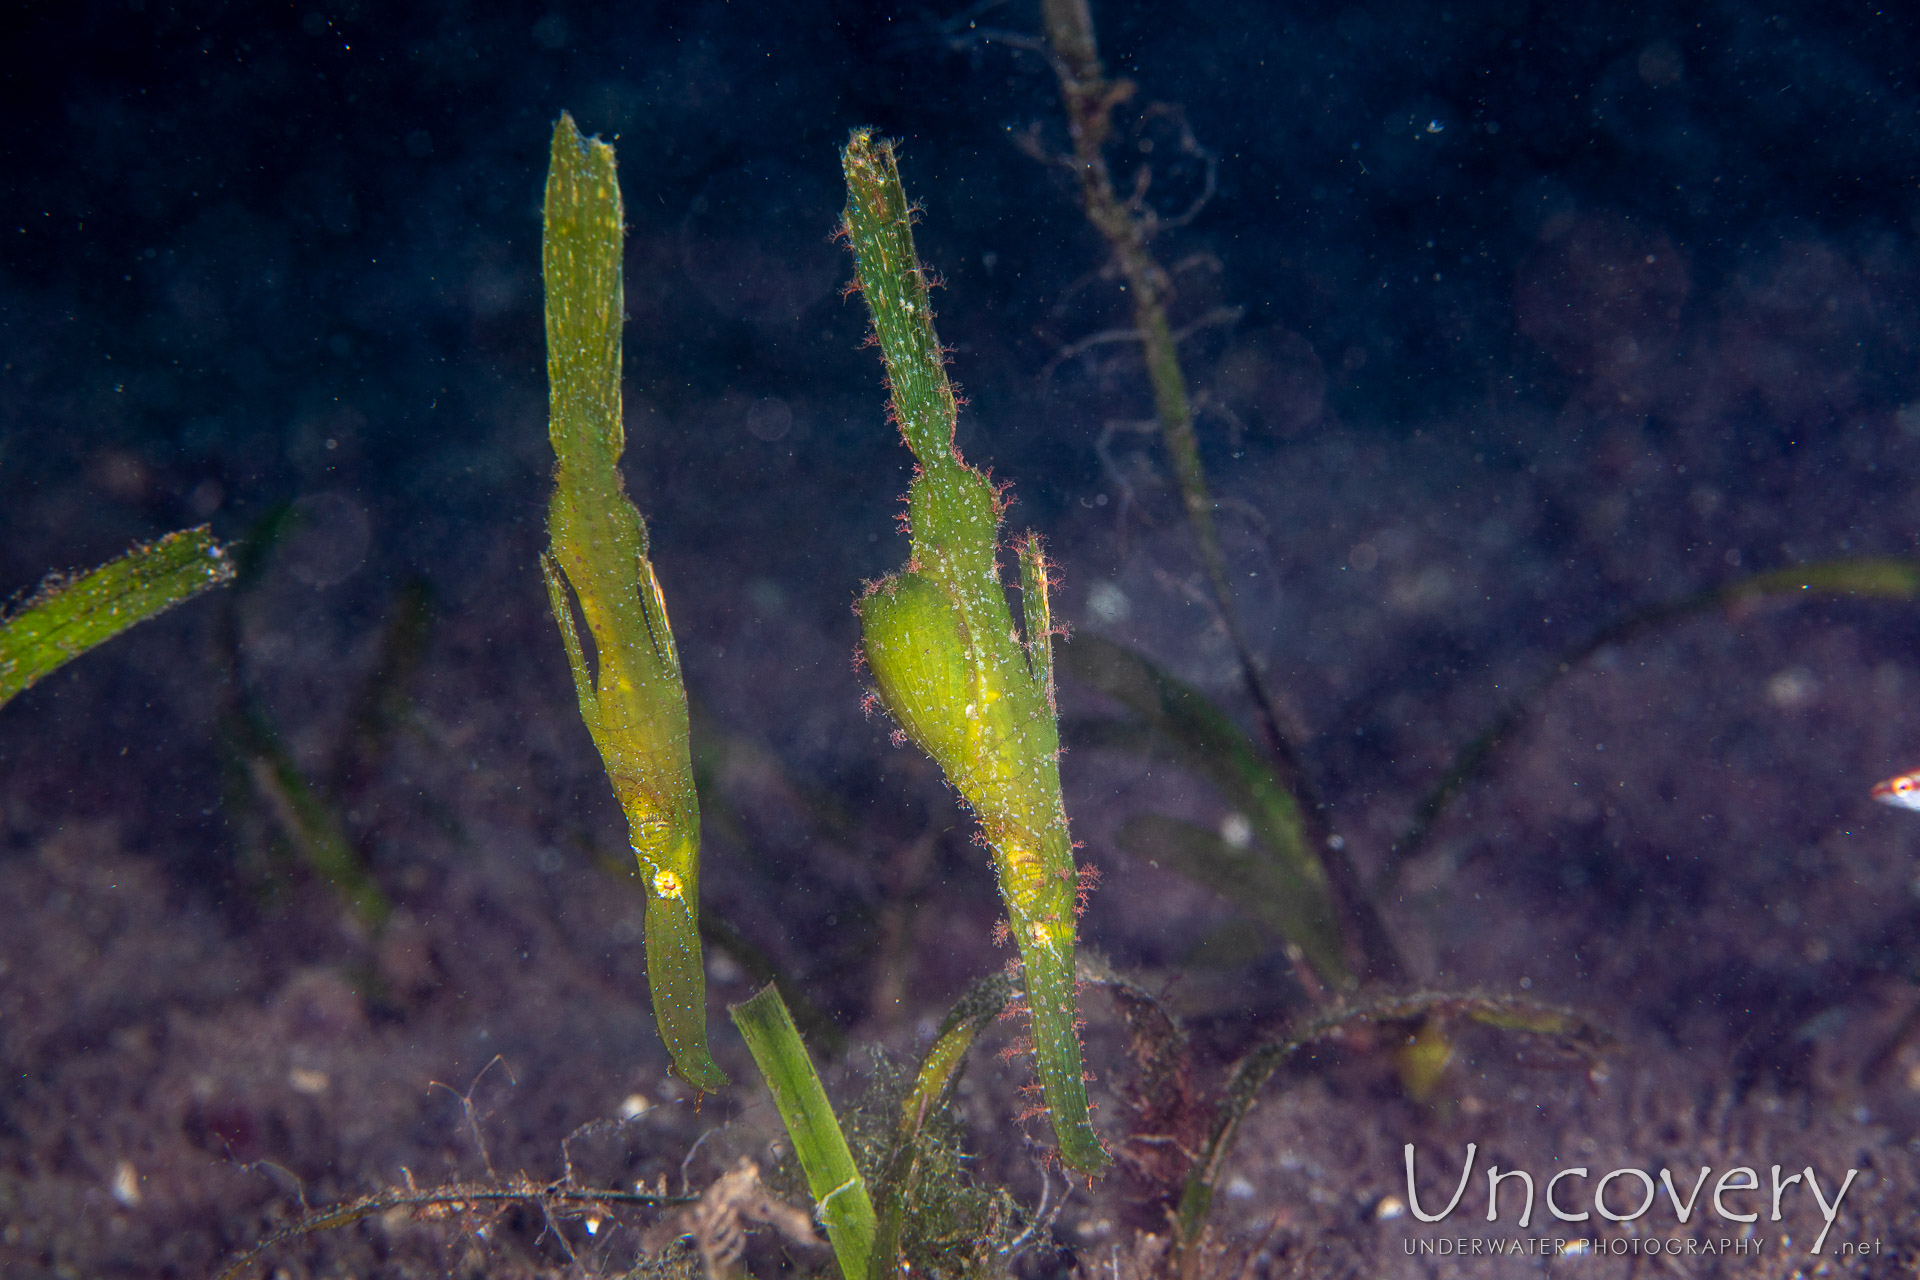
[[1873, 577], [1247, 875], [263, 771], [311, 824], [613, 619], [981, 1004], [954, 674], [1568, 1035], [69, 615], [839, 1192], [1281, 881]]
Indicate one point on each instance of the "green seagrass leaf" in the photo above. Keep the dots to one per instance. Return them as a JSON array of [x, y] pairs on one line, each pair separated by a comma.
[[69, 615], [839, 1192]]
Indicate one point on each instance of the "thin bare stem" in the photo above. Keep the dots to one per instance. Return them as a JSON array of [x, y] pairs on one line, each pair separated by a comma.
[[1127, 226]]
